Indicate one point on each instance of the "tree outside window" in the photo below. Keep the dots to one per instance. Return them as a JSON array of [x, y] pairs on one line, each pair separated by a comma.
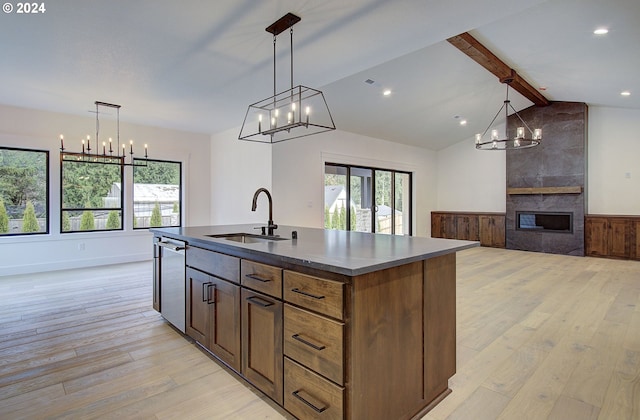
[[24, 191]]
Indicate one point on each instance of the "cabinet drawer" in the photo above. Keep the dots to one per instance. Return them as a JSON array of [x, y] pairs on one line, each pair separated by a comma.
[[261, 277], [219, 265], [314, 341], [314, 293], [309, 396]]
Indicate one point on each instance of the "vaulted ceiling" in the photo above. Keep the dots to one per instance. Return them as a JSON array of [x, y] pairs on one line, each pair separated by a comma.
[[196, 65]]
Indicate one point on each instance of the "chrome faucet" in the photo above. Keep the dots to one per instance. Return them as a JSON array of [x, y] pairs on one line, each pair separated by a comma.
[[254, 205]]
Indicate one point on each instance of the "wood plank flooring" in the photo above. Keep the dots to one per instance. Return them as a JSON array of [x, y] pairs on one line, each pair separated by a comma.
[[539, 337]]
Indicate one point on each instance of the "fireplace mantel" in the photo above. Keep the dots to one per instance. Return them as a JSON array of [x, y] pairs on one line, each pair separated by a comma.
[[545, 190]]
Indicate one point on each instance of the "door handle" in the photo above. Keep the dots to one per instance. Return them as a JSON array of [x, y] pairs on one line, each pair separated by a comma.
[[258, 301], [308, 343], [209, 301], [205, 286], [257, 277], [316, 409]]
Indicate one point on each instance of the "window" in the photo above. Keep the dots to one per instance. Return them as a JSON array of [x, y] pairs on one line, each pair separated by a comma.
[[91, 195], [24, 191], [157, 194], [373, 200]]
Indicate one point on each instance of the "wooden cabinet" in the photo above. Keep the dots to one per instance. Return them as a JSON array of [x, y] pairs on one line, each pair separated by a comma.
[[488, 228], [443, 225], [612, 236], [261, 277], [636, 237], [467, 227], [197, 307], [262, 343], [324, 345], [314, 346], [213, 315], [492, 230]]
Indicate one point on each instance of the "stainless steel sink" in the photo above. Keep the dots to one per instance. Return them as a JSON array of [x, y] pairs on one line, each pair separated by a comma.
[[248, 238]]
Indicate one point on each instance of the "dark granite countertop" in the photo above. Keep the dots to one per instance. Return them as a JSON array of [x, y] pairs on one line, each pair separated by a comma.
[[341, 252]]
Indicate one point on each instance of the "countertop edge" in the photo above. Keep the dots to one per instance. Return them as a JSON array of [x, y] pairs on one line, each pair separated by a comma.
[[238, 250]]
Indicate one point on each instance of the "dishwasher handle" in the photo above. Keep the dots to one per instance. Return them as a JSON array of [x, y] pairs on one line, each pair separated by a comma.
[[172, 246]]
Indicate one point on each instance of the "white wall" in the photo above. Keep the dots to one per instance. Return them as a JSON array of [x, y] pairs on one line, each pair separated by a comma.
[[238, 169], [613, 161], [471, 180], [298, 174], [26, 128]]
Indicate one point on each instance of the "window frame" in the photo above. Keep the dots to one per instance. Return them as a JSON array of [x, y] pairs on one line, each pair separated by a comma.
[[117, 161], [180, 204], [373, 170], [47, 191]]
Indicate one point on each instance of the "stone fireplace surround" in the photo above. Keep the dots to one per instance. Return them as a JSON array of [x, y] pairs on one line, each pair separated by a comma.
[[549, 178]]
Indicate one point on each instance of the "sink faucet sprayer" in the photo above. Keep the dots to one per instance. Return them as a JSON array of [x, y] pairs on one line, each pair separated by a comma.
[[270, 225]]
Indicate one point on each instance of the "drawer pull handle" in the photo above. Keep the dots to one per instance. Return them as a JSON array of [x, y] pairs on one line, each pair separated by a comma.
[[316, 409], [258, 301], [308, 343], [209, 301], [258, 278], [296, 290], [205, 294]]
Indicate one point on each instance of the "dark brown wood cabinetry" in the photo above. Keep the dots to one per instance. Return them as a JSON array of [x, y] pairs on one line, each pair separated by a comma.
[[213, 315], [262, 343], [612, 236], [324, 345], [492, 230], [488, 228], [213, 304]]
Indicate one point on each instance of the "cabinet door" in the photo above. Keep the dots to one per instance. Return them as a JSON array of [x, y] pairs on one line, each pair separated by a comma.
[[224, 334], [597, 236], [467, 227], [636, 235], [449, 226], [198, 302], [499, 231], [262, 343], [437, 227], [619, 238], [492, 230]]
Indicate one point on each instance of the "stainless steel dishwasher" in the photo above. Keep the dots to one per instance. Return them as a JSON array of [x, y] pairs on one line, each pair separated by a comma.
[[172, 281]]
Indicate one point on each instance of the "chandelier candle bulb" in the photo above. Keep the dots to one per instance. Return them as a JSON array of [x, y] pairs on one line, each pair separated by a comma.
[[61, 142], [537, 134], [131, 145], [145, 151], [104, 148], [478, 138], [494, 136], [110, 145], [82, 145], [520, 133], [259, 123], [288, 118]]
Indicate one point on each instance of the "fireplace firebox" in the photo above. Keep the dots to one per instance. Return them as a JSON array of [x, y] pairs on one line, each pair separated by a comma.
[[544, 221]]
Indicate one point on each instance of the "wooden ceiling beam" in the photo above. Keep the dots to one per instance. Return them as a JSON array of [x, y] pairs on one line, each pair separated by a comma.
[[466, 43]]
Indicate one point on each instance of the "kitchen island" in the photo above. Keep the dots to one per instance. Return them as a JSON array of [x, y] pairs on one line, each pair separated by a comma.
[[329, 324]]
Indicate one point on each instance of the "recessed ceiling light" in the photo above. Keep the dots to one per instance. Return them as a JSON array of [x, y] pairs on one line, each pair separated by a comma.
[[463, 122], [625, 93], [387, 92], [601, 31]]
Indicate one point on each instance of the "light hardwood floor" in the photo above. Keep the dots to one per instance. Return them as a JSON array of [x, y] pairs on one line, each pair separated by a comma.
[[539, 337]]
